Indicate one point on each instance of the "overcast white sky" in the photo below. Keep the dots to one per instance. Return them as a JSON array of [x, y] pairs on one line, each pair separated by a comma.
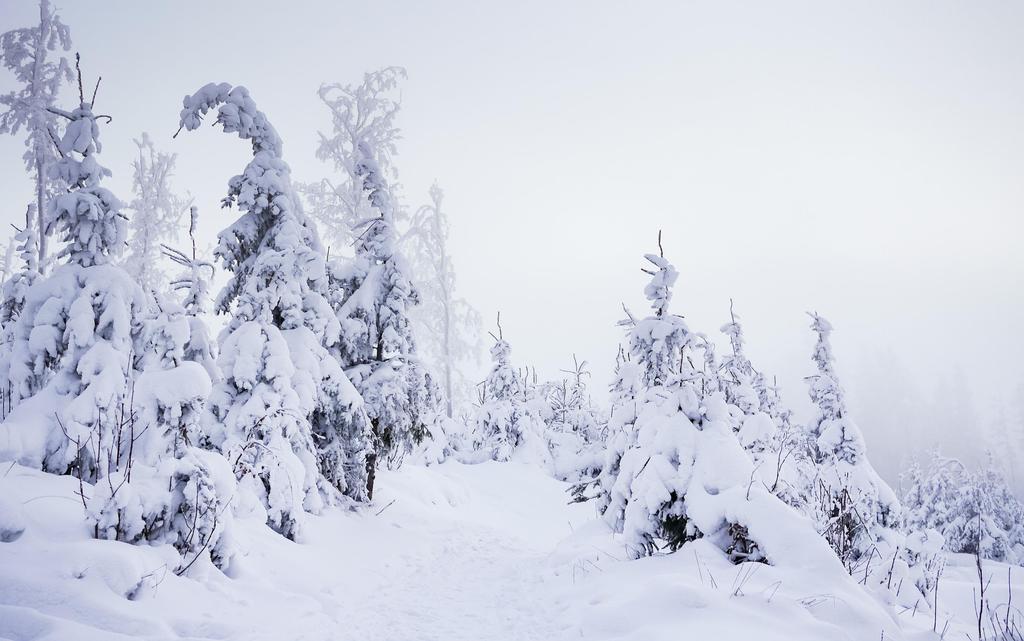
[[865, 160]]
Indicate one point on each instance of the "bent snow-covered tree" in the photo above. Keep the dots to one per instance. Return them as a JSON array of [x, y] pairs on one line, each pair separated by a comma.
[[281, 389], [373, 292], [855, 505], [33, 55]]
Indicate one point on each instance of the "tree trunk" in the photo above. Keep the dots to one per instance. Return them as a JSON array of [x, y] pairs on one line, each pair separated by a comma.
[[40, 215], [371, 474]]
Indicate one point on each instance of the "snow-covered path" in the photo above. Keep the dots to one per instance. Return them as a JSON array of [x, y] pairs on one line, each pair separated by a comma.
[[480, 573], [456, 552], [470, 584]]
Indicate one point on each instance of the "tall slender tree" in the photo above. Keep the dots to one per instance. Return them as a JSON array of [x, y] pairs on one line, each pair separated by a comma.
[[362, 114], [373, 293], [855, 504], [757, 429], [446, 326], [156, 211], [33, 54]]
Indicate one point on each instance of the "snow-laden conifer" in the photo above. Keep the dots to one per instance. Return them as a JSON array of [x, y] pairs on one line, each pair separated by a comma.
[[505, 422], [101, 364], [373, 292], [976, 512], [682, 473], [193, 286], [22, 271], [34, 55], [576, 428], [280, 388], [856, 507]]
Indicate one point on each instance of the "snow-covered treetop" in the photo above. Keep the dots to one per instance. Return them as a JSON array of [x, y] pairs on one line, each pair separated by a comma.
[[502, 381], [28, 241], [823, 356], [89, 216], [625, 381], [738, 381], [156, 210], [501, 353], [274, 253], [17, 280], [194, 283], [377, 241], [824, 388], [734, 330], [659, 290], [362, 114], [656, 342], [24, 52], [236, 113], [361, 146]]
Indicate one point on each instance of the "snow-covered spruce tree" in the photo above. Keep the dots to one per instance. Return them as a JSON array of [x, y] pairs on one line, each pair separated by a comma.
[[682, 474], [33, 54], [738, 372], [658, 459], [975, 512], [930, 493], [173, 487], [283, 408], [373, 293], [18, 280], [572, 407], [155, 211], [447, 327], [8, 268], [194, 286], [624, 392], [500, 397], [98, 363], [19, 277], [855, 505], [576, 429], [763, 425], [76, 332], [507, 424]]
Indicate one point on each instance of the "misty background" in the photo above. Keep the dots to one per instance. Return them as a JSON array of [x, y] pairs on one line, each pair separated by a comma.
[[863, 160]]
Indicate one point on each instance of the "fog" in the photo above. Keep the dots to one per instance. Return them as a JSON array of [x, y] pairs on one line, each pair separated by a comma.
[[862, 160]]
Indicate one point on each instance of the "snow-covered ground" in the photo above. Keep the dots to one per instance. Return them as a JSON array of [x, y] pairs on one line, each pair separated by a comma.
[[448, 552]]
